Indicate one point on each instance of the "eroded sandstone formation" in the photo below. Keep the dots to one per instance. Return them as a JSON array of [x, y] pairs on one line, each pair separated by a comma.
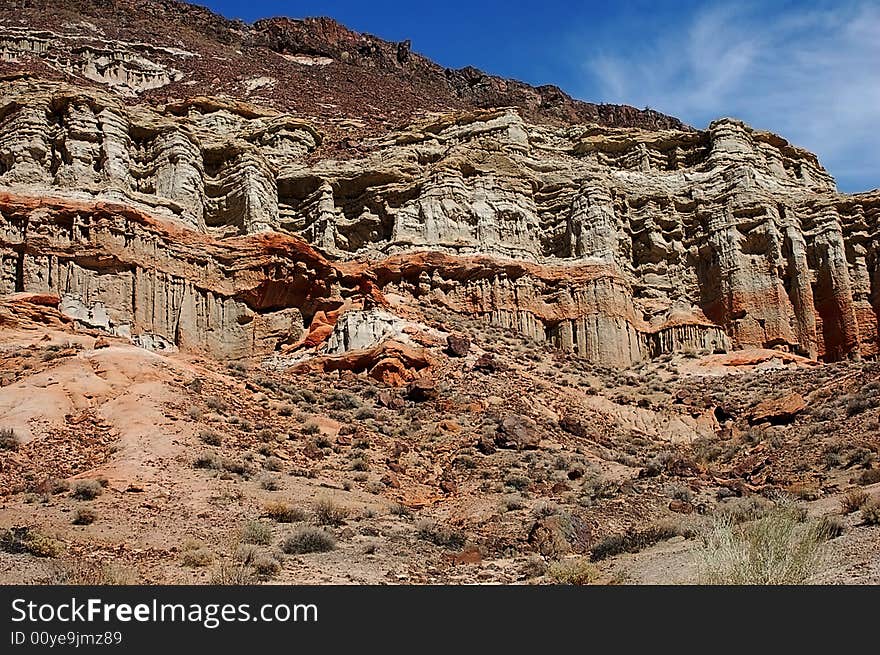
[[212, 224]]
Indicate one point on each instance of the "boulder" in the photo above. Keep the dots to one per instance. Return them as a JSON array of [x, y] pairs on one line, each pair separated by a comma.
[[422, 390], [517, 431], [390, 399], [458, 345], [487, 363], [778, 411]]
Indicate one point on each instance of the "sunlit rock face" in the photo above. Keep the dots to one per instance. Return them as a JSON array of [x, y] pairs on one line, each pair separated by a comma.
[[205, 222]]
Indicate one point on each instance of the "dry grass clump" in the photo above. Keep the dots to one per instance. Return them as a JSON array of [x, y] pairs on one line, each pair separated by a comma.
[[195, 555], [779, 548], [853, 500], [282, 512], [256, 532], [84, 516], [84, 572], [87, 489], [8, 440], [573, 572], [308, 540], [329, 512], [871, 512]]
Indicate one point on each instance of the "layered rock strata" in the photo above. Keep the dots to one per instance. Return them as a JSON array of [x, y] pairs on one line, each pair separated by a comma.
[[210, 224]]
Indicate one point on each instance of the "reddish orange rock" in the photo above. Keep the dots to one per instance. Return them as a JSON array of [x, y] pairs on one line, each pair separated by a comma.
[[778, 410]]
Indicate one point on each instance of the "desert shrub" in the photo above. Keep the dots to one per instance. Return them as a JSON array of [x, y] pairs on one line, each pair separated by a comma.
[[777, 549], [871, 512], [85, 572], [273, 464], [871, 476], [87, 489], [830, 526], [329, 512], [211, 438], [853, 500], [633, 540], [440, 535], [743, 509], [256, 532], [343, 400], [545, 509], [863, 457], [196, 557], [282, 512], [8, 440], [360, 464], [84, 516], [858, 404], [311, 428], [216, 404], [266, 566], [235, 573], [236, 467], [28, 540], [323, 441], [518, 482], [513, 502], [308, 540], [207, 461], [401, 510], [573, 572], [269, 482]]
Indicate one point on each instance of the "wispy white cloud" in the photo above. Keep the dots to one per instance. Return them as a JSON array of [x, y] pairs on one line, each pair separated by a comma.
[[813, 75]]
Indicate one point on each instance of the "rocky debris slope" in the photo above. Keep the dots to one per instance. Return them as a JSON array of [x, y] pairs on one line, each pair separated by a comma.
[[351, 83], [208, 224]]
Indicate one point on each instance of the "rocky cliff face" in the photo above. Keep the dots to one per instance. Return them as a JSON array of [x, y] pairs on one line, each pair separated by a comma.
[[242, 230]]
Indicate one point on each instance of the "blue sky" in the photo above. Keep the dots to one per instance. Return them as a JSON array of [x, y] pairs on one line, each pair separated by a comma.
[[807, 70]]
